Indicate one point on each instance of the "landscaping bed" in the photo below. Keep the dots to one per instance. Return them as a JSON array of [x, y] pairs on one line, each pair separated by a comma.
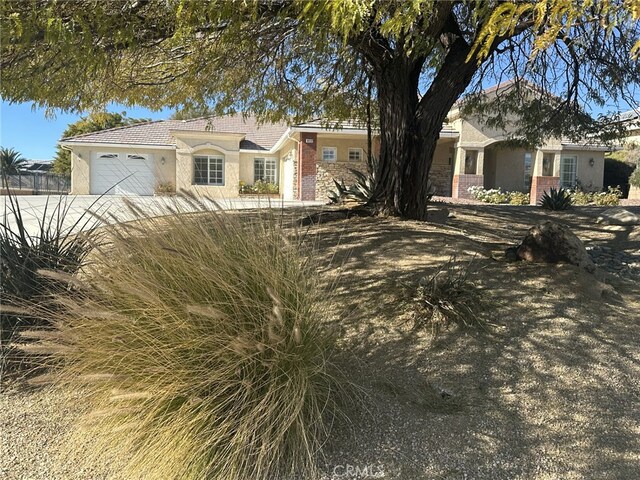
[[548, 390]]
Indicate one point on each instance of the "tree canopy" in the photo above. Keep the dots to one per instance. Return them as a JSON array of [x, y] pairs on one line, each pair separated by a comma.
[[92, 123], [303, 59]]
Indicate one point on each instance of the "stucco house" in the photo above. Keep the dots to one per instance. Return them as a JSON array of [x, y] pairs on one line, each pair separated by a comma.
[[211, 156]]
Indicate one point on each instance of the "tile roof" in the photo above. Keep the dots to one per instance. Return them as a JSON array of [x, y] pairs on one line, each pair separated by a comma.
[[158, 133], [630, 115]]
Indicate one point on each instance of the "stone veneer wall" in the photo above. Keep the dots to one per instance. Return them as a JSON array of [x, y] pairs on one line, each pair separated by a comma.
[[296, 193], [461, 184], [328, 171], [440, 177], [539, 185]]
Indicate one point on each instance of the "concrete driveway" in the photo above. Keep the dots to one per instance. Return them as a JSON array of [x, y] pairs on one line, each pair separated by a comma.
[[112, 208]]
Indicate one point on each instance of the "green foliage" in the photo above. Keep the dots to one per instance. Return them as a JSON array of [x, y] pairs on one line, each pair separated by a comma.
[[10, 161], [449, 297], [559, 199], [518, 198], [259, 188], [610, 197], [189, 111], [94, 122], [186, 54], [496, 195], [580, 197], [200, 351], [303, 59], [616, 173]]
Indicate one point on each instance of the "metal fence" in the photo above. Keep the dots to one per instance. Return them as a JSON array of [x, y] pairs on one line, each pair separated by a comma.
[[38, 182]]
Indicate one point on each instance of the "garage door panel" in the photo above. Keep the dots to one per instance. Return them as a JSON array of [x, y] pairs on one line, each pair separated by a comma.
[[122, 175]]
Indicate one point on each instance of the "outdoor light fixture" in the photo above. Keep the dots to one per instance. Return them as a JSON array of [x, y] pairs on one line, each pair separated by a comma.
[[591, 162], [162, 160]]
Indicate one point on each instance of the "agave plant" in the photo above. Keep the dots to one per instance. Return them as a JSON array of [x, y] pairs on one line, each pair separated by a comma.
[[556, 199], [364, 188]]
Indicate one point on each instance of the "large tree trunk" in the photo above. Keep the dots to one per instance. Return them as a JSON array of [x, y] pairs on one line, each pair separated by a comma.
[[410, 128]]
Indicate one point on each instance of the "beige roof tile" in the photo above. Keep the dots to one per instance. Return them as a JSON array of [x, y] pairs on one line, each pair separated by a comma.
[[157, 133]]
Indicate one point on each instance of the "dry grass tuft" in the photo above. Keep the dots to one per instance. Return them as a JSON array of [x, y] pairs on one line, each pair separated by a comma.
[[200, 345], [449, 297]]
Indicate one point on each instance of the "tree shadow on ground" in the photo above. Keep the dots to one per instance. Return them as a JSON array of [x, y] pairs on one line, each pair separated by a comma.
[[546, 393]]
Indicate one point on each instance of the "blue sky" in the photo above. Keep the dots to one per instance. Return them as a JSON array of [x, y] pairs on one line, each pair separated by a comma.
[[35, 136]]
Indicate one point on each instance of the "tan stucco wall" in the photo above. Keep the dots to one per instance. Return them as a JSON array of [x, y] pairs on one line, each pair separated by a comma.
[[509, 172], [188, 147], [343, 144], [81, 158], [591, 178], [80, 179]]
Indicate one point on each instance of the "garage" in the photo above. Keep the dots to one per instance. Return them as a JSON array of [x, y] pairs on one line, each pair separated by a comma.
[[122, 174]]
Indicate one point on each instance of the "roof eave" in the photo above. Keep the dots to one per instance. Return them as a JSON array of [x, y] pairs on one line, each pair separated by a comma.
[[163, 146]]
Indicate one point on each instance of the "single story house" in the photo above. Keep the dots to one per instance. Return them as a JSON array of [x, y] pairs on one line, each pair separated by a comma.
[[212, 156]]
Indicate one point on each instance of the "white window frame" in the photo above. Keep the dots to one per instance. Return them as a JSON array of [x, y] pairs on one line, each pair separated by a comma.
[[329, 154], [528, 169], [209, 158], [137, 156], [574, 162], [359, 152], [264, 161]]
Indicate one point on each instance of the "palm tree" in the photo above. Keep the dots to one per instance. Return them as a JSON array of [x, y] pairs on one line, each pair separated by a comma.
[[10, 160]]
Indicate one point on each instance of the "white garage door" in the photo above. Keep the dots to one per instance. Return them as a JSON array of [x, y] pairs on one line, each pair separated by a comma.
[[122, 174]]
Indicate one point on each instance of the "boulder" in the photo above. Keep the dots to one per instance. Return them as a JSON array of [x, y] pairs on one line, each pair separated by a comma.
[[551, 242], [618, 216]]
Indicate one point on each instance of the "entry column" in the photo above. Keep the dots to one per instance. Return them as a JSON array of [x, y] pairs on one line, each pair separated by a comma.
[[468, 171]]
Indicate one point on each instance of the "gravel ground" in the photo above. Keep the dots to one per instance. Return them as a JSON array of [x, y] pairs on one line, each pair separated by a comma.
[[549, 391]]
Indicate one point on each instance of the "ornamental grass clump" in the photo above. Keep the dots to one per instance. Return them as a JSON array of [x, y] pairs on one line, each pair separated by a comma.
[[199, 345]]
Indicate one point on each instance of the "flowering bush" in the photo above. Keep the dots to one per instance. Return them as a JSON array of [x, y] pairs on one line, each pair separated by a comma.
[[496, 195]]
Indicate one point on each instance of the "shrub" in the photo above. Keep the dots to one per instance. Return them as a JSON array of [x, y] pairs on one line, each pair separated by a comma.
[[580, 197], [24, 254], [497, 196], [447, 297], [609, 198], [518, 198], [200, 347], [616, 172], [559, 199], [259, 187]]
